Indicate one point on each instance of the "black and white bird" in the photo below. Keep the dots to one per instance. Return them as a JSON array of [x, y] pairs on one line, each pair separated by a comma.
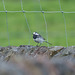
[[39, 39]]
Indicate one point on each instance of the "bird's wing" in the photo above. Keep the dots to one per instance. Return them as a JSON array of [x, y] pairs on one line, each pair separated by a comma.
[[41, 37]]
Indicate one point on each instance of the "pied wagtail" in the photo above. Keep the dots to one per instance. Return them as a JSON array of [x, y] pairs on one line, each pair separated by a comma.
[[38, 38]]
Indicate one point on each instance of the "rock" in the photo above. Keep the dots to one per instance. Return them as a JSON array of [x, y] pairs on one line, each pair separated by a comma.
[[35, 60], [10, 69], [1, 49], [23, 49], [43, 66], [67, 51], [54, 50], [41, 50]]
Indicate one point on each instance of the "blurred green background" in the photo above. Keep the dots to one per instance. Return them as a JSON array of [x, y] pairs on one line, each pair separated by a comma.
[[18, 29]]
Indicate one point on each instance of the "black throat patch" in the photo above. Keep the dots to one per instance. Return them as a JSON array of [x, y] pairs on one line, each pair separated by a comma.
[[34, 36]]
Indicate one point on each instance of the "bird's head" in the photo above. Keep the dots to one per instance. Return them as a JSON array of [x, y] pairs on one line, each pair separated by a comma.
[[35, 33]]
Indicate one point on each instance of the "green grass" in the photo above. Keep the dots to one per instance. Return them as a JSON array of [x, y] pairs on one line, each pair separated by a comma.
[[18, 29]]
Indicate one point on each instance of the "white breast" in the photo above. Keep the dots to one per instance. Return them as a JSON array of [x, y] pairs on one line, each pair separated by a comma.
[[39, 40]]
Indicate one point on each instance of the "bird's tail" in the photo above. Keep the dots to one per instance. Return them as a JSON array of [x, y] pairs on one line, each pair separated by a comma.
[[48, 42]]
